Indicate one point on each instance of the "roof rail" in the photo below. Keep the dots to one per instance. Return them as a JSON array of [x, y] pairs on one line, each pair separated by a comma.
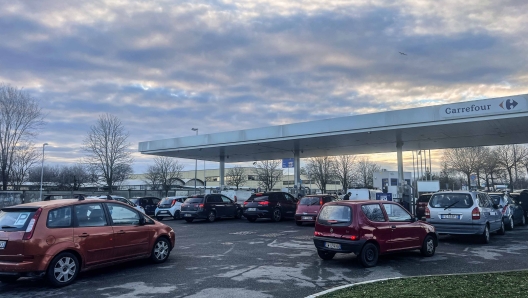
[[81, 197]]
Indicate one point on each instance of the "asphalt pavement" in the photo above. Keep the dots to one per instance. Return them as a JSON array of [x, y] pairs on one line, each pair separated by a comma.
[[235, 258]]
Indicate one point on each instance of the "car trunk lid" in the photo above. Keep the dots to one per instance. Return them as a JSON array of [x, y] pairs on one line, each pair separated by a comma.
[[13, 225], [335, 221]]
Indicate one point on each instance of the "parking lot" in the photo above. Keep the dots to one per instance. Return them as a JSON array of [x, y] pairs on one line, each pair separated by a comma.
[[235, 258]]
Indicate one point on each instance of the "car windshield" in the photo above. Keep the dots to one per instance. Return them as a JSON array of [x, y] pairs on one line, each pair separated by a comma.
[[257, 198], [451, 200], [335, 215], [309, 201], [15, 219], [194, 200], [424, 198], [166, 201]]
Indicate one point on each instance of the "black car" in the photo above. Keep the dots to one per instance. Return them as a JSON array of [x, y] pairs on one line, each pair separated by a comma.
[[273, 205], [522, 200], [148, 203], [209, 207], [512, 213]]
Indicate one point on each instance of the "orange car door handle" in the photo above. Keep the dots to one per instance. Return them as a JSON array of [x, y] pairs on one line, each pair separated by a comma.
[[121, 232], [84, 235]]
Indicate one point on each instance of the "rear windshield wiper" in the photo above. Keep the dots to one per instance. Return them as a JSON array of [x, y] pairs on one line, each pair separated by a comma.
[[332, 222], [8, 227], [451, 205]]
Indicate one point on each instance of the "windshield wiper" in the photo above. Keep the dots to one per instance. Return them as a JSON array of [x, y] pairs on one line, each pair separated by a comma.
[[8, 227], [332, 222], [451, 205]]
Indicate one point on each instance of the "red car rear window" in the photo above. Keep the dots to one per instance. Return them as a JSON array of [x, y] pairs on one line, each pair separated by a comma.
[[336, 215]]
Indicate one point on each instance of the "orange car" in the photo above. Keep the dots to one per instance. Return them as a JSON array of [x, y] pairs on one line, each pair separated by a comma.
[[59, 239]]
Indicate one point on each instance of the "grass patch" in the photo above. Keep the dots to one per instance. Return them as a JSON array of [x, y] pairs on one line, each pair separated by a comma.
[[511, 284]]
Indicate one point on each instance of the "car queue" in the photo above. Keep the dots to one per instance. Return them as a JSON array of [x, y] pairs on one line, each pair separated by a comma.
[[367, 228]]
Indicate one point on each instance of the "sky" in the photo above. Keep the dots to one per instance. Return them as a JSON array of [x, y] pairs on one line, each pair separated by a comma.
[[163, 67]]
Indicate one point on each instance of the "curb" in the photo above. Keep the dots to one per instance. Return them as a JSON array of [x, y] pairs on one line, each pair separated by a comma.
[[404, 277]]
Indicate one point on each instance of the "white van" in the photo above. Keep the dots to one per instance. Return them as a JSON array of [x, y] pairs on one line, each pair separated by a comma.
[[363, 193]]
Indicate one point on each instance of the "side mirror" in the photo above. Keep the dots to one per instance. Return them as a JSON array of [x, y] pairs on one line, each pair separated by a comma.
[[414, 219], [142, 221]]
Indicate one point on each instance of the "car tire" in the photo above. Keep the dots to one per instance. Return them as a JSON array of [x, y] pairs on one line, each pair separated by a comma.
[[369, 255], [9, 279], [277, 215], [511, 225], [238, 214], [159, 218], [63, 269], [189, 219], [502, 229], [160, 251], [251, 219], [299, 223], [428, 246], [177, 215], [211, 216], [325, 255], [485, 237]]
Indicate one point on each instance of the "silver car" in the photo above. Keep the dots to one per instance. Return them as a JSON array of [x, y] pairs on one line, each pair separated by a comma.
[[464, 213]]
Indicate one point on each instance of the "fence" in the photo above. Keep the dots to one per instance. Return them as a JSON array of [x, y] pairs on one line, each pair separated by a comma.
[[10, 198]]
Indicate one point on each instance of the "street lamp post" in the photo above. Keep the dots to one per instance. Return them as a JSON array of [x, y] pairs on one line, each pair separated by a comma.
[[195, 163], [42, 170]]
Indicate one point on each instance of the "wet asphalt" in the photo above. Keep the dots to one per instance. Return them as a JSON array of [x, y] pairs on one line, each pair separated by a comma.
[[235, 258]]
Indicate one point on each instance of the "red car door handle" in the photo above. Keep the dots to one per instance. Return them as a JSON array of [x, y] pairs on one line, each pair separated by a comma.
[[84, 235], [121, 232], [394, 227]]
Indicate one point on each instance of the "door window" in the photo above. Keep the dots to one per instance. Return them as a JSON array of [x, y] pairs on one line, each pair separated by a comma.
[[59, 218], [90, 215], [156, 201], [396, 213], [226, 200], [483, 201], [122, 215], [373, 212], [289, 198]]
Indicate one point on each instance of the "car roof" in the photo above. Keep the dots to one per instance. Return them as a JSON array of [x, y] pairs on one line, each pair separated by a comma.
[[54, 203], [176, 197], [358, 202]]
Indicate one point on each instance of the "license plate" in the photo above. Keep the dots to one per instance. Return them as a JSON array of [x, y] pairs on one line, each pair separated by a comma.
[[3, 244], [450, 216], [307, 217], [163, 212], [332, 245], [252, 209], [187, 215]]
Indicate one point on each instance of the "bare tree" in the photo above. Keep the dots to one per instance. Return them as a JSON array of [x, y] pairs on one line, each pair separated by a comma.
[[236, 176], [49, 176], [321, 169], [164, 172], [343, 168], [365, 170], [491, 167], [152, 178], [20, 118], [508, 156], [107, 149], [72, 177], [268, 173], [24, 158], [464, 160]]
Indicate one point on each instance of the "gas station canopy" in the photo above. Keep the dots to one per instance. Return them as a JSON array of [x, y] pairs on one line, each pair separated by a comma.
[[494, 121]]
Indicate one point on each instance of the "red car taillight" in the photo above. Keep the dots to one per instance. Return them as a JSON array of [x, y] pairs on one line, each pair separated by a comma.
[[263, 203], [475, 213], [427, 212], [350, 237], [31, 226], [245, 203], [318, 233], [173, 202], [321, 202], [201, 206], [504, 209]]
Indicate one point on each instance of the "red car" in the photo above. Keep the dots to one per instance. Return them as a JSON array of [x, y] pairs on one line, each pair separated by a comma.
[[309, 207], [370, 228], [58, 239]]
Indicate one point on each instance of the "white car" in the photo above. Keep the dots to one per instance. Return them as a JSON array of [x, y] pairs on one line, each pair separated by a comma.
[[169, 207], [120, 199]]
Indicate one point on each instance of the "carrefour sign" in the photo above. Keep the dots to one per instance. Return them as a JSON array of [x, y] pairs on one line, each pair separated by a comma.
[[484, 107]]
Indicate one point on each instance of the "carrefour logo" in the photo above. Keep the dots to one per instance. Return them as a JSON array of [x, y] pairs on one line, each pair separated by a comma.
[[508, 104], [494, 106]]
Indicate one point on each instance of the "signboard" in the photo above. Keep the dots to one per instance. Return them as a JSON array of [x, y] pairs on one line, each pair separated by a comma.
[[384, 196], [504, 105], [428, 186], [473, 180], [287, 163]]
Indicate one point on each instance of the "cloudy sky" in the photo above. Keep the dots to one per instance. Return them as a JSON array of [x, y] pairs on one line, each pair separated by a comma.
[[163, 66]]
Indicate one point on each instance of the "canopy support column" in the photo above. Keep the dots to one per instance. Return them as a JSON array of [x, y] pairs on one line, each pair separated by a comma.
[[222, 171]]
